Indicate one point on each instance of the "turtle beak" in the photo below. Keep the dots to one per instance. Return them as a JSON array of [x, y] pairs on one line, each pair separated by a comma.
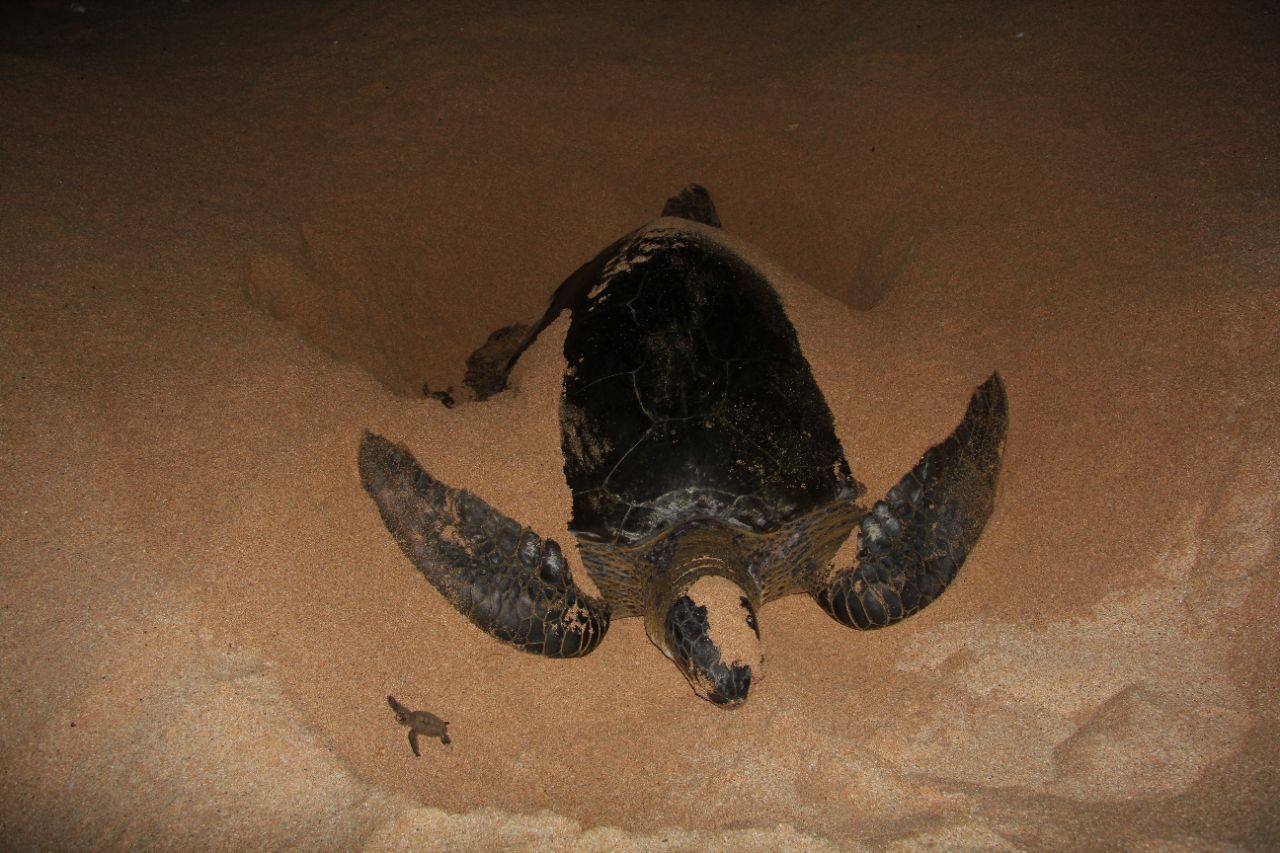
[[730, 691], [715, 674]]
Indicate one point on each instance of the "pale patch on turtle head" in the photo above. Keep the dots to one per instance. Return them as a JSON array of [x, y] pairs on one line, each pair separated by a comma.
[[713, 637]]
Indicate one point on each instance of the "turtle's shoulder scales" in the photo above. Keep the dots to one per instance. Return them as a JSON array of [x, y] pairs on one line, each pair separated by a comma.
[[789, 559]]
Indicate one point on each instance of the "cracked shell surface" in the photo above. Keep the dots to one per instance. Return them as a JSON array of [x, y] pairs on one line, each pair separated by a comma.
[[687, 397]]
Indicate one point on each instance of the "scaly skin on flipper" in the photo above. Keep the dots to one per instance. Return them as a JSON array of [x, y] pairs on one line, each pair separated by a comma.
[[913, 542], [504, 578], [420, 723]]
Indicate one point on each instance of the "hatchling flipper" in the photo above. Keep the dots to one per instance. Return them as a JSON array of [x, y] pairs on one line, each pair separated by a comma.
[[501, 576], [913, 542]]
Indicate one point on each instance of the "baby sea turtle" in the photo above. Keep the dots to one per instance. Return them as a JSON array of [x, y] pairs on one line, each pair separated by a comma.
[[422, 723], [706, 475]]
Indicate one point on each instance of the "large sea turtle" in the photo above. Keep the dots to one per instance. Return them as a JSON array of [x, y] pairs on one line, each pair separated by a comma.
[[706, 475]]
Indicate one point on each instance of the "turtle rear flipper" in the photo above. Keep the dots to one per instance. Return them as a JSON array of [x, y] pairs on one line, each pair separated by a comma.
[[913, 542], [489, 367], [693, 203], [502, 577]]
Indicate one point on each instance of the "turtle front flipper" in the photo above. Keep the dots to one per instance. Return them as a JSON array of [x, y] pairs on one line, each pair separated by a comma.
[[912, 543], [502, 577]]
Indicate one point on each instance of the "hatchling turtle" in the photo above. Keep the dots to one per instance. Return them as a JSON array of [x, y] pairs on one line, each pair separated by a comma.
[[706, 475], [422, 723]]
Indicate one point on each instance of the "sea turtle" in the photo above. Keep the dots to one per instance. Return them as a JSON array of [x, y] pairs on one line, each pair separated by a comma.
[[706, 475], [422, 723]]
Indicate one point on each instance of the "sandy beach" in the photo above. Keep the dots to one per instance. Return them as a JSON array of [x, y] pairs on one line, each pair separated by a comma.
[[236, 235]]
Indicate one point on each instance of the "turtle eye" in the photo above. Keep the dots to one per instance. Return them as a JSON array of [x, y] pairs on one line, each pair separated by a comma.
[[553, 568]]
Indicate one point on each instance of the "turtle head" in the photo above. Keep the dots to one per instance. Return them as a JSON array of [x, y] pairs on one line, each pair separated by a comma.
[[711, 633]]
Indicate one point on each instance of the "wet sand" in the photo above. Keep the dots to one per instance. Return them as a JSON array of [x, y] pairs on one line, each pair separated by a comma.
[[237, 235]]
